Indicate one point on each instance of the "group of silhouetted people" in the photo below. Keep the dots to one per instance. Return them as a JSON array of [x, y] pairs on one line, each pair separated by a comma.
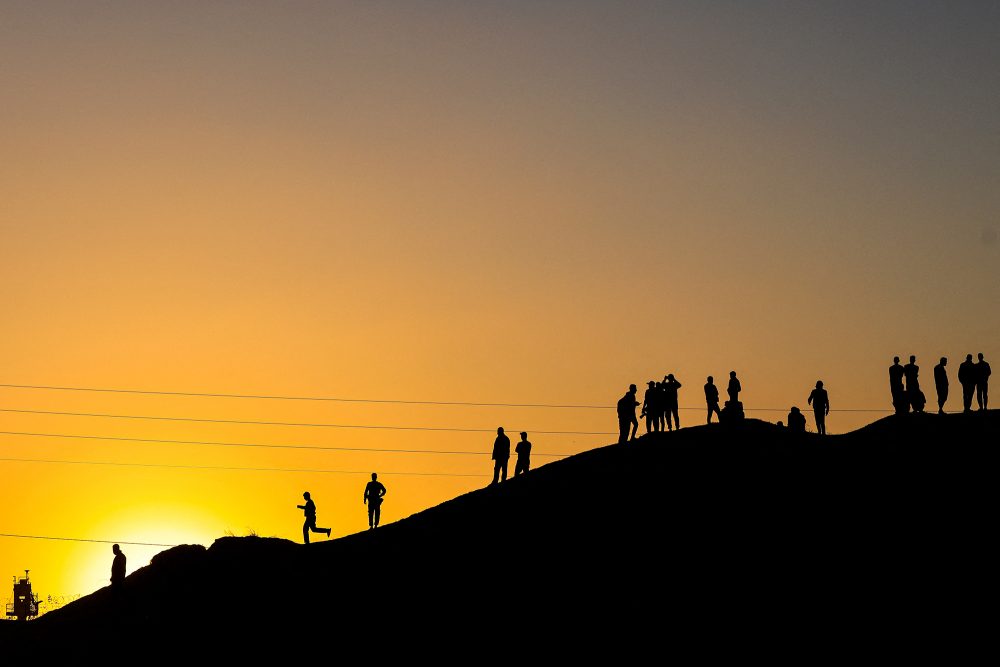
[[501, 456], [904, 384], [659, 405]]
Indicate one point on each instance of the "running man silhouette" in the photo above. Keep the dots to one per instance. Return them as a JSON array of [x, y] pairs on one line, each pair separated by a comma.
[[626, 415], [982, 383], [896, 373], [117, 571], [310, 525], [670, 387], [712, 399], [523, 451], [913, 393], [374, 491], [820, 401], [967, 378], [734, 388], [501, 455], [941, 383], [796, 421]]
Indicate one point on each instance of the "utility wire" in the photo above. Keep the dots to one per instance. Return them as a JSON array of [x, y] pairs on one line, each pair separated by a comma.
[[242, 469], [382, 400], [269, 446], [80, 539], [306, 424], [308, 398]]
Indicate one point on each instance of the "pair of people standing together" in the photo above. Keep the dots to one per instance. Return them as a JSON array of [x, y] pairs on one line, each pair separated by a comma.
[[501, 456]]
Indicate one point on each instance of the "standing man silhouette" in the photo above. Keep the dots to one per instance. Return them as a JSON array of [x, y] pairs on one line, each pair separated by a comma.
[[501, 455], [310, 525], [117, 571], [982, 383], [626, 414], [820, 401], [896, 373], [374, 490], [651, 407], [670, 387], [941, 383], [913, 394], [523, 451], [967, 378], [712, 399], [734, 388]]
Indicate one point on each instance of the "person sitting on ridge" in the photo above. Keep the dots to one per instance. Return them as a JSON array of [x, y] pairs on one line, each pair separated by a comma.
[[796, 421]]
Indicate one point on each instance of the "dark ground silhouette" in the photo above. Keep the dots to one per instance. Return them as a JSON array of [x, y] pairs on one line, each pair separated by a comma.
[[721, 540]]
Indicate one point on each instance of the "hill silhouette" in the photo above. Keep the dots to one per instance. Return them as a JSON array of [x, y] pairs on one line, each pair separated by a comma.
[[705, 535]]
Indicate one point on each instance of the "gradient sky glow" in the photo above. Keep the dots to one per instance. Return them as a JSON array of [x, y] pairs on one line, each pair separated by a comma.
[[531, 202]]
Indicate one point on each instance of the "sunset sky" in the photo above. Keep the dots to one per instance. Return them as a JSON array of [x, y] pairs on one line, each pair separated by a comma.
[[532, 202]]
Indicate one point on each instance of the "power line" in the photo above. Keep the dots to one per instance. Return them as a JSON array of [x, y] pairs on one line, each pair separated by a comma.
[[242, 469], [308, 398], [383, 400], [305, 424], [269, 446], [80, 539]]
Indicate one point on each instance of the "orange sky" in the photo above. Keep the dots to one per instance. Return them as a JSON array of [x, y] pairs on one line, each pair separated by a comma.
[[488, 202]]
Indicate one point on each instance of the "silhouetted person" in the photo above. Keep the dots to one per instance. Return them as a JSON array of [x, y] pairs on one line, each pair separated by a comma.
[[626, 414], [796, 421], [501, 454], [734, 388], [661, 409], [310, 525], [523, 451], [670, 387], [374, 491], [913, 393], [820, 401], [967, 378], [896, 373], [941, 383], [712, 399], [117, 571], [651, 407], [982, 383]]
